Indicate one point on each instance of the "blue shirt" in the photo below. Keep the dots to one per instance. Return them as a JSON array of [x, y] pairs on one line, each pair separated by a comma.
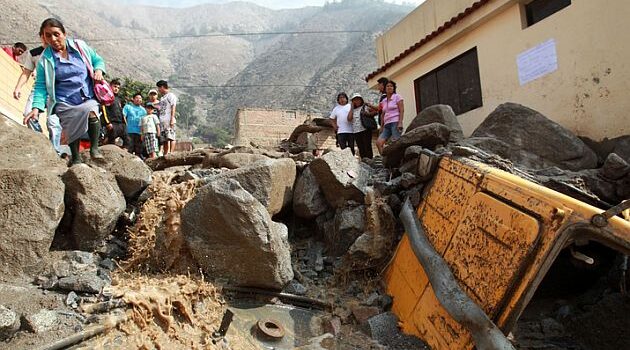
[[73, 84], [134, 116]]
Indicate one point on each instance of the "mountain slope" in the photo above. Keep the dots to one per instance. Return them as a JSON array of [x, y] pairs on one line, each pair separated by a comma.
[[213, 45]]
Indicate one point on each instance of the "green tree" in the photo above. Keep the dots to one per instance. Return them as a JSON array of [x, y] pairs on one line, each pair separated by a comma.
[[130, 87], [186, 116], [217, 137]]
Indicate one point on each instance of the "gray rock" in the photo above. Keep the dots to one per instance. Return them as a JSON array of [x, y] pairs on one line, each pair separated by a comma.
[[43, 321], [308, 198], [442, 114], [108, 264], [325, 224], [47, 283], [409, 166], [131, 173], [72, 300], [270, 182], [427, 165], [303, 157], [231, 235], [295, 287], [383, 327], [412, 152], [83, 257], [9, 323], [408, 180], [533, 140], [427, 136], [31, 208], [380, 231], [341, 177], [82, 283], [372, 299], [23, 149], [349, 225], [614, 167], [94, 203], [239, 160], [605, 189]]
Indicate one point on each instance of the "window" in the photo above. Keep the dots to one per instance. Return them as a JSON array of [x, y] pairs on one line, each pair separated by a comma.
[[455, 83], [538, 10]]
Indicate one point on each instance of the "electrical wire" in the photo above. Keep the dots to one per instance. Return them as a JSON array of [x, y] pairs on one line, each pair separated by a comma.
[[211, 35]]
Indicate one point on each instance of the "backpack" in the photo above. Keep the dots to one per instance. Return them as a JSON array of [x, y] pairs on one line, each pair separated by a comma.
[[367, 120], [103, 92]]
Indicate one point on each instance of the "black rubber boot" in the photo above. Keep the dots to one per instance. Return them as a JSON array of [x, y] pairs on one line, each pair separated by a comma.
[[76, 156], [94, 129]]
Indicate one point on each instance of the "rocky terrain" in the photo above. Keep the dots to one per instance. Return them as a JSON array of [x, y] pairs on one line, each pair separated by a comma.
[[154, 255], [190, 48]]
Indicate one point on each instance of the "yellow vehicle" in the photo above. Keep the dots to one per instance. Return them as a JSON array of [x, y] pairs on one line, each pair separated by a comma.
[[499, 235]]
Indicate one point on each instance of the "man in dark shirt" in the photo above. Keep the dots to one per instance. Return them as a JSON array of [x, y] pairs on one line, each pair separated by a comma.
[[113, 118]]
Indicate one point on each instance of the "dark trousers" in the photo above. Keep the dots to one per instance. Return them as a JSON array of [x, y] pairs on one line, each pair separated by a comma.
[[118, 130], [346, 140], [364, 142], [135, 144]]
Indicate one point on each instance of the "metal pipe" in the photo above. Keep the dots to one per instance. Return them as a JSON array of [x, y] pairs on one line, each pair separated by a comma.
[[86, 334], [283, 296], [456, 302]]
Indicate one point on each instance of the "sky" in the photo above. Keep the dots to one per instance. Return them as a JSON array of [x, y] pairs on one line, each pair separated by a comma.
[[273, 4]]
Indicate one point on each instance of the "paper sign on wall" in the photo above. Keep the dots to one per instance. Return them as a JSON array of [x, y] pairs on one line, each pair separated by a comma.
[[537, 62]]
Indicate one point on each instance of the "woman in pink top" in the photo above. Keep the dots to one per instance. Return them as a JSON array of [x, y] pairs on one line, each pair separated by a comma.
[[392, 111]]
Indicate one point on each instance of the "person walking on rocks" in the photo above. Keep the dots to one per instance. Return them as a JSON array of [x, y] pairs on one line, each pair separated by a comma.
[[134, 112], [113, 118], [63, 79], [168, 103], [362, 135], [341, 123], [28, 62], [392, 112], [150, 130]]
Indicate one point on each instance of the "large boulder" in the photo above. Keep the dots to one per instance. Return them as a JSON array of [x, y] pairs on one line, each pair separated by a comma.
[[341, 177], [132, 174], [349, 225], [442, 114], [93, 204], [269, 181], [377, 242], [427, 136], [31, 207], [308, 199], [532, 140], [231, 235], [22, 148]]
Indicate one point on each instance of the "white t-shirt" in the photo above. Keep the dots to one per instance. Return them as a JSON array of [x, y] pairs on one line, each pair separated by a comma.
[[167, 102], [340, 113]]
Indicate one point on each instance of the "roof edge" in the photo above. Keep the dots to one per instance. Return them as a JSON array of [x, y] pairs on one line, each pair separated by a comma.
[[448, 24]]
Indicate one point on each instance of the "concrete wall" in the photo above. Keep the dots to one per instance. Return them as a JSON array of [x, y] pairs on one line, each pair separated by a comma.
[[588, 91], [267, 127]]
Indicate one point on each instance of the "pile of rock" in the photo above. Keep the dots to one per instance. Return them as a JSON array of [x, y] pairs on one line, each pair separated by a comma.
[[44, 200]]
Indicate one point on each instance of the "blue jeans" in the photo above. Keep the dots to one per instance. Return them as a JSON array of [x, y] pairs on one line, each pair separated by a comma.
[[54, 132], [390, 130]]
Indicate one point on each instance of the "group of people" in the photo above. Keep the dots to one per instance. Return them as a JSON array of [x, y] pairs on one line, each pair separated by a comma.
[[351, 119], [65, 72], [145, 131]]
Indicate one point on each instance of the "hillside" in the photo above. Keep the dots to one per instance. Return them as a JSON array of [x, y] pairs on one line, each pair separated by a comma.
[[196, 48]]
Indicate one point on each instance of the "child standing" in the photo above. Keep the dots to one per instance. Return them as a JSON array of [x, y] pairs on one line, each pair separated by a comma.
[[150, 130]]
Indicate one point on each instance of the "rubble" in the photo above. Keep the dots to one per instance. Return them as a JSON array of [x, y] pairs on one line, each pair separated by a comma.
[[41, 322], [231, 235], [427, 136], [93, 204]]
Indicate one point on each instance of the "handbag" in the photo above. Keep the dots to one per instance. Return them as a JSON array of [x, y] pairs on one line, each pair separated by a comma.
[[367, 120], [102, 90]]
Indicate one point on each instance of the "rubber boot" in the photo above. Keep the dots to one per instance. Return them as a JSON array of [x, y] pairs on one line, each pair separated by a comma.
[[94, 129], [74, 150]]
